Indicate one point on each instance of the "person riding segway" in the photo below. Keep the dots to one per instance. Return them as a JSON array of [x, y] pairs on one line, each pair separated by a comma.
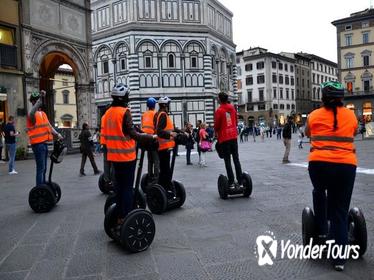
[[134, 229], [332, 170], [46, 194], [168, 193], [225, 126], [148, 127]]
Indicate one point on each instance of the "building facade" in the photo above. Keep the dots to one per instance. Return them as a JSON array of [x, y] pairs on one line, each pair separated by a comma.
[[12, 101], [65, 103], [266, 87], [179, 48], [355, 42]]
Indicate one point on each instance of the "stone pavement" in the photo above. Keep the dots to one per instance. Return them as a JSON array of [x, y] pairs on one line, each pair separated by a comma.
[[207, 239]]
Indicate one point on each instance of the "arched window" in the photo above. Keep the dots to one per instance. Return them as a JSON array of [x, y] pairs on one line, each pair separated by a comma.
[[65, 96], [171, 60], [121, 57]]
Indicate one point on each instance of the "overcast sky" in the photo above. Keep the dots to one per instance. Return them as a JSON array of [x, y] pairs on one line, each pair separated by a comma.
[[290, 25]]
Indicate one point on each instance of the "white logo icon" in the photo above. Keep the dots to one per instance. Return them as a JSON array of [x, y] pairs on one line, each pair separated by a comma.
[[266, 249]]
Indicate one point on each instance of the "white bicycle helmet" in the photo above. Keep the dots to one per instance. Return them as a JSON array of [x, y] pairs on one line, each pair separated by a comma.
[[164, 100], [120, 90]]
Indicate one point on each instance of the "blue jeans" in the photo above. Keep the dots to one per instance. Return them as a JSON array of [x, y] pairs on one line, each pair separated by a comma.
[[333, 186], [41, 154], [12, 155]]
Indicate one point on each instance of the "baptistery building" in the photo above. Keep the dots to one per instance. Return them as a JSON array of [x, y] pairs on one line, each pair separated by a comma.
[[179, 48]]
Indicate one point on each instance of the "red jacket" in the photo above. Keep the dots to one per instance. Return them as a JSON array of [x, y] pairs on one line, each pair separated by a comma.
[[225, 123]]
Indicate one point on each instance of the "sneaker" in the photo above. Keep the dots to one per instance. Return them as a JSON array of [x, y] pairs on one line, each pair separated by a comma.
[[190, 163], [13, 172], [97, 172], [339, 267]]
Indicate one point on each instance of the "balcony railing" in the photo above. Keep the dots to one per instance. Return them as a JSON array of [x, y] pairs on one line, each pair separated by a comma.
[[359, 93], [8, 56]]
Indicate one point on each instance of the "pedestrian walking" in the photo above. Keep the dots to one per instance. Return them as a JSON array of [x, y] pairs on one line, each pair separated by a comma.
[[301, 137], [190, 142], [279, 132], [40, 132], [332, 166], [287, 132], [10, 142], [96, 141], [204, 144], [1, 143], [197, 137], [86, 146]]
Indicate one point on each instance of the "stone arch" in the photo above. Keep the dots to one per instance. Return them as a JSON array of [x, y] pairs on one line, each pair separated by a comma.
[[99, 49], [195, 42], [140, 43], [173, 42]]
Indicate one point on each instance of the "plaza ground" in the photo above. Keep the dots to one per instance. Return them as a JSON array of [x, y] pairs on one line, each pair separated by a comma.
[[206, 239]]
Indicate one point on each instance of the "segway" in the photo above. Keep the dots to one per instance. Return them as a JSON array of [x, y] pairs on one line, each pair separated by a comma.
[[357, 233], [138, 230], [105, 182], [158, 199], [44, 197], [224, 189]]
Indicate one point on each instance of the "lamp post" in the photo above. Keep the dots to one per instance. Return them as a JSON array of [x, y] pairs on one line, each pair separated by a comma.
[[278, 91]]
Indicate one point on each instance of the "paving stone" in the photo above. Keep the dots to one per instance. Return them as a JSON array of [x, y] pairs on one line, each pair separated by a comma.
[[47, 269], [17, 275], [85, 264], [22, 258]]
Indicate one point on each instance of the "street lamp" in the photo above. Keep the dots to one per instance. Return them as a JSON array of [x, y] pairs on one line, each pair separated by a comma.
[[278, 91]]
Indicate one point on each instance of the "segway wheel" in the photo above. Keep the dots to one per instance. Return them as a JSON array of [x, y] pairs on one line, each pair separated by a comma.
[[180, 193], [156, 199], [223, 184], [140, 202], [138, 231], [357, 229], [105, 186], [110, 222], [110, 200], [57, 189], [144, 183], [42, 199], [308, 225], [247, 184]]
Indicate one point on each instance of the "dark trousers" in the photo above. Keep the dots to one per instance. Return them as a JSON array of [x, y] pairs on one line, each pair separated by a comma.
[[165, 169], [188, 154], [153, 166], [124, 174], [41, 156], [333, 185], [230, 148], [88, 153], [1, 151]]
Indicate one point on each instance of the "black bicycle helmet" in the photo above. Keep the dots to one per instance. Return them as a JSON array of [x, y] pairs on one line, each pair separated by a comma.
[[332, 89]]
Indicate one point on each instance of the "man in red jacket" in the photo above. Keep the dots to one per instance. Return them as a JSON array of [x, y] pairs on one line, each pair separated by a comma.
[[225, 126]]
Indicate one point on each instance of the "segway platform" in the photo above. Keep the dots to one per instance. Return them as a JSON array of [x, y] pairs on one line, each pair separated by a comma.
[[225, 190]]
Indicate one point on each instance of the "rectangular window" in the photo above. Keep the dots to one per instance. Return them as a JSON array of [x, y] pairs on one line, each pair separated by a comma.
[[292, 81], [148, 62], [286, 67], [281, 79], [249, 80], [7, 36], [105, 67], [314, 78], [281, 93], [260, 79], [292, 94], [274, 93], [274, 77], [261, 94], [280, 66], [366, 85], [365, 37], [291, 68], [249, 96], [260, 65], [274, 64], [248, 67], [293, 106], [287, 80], [65, 96], [275, 106], [348, 40], [288, 107], [123, 64], [261, 107], [287, 93], [348, 27], [193, 62], [349, 62], [366, 60], [281, 106], [317, 78]]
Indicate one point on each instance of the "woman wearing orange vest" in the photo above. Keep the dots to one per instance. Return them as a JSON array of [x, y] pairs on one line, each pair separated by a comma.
[[119, 135], [332, 164], [166, 134], [40, 132], [149, 128]]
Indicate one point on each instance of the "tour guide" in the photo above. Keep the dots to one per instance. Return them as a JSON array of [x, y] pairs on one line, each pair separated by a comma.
[[332, 164]]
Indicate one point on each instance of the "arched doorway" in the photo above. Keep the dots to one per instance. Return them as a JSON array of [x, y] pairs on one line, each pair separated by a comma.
[[57, 76]]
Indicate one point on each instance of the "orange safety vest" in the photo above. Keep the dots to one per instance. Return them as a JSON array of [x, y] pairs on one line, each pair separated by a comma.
[[41, 131], [103, 120], [329, 145], [166, 144], [119, 147], [147, 122]]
